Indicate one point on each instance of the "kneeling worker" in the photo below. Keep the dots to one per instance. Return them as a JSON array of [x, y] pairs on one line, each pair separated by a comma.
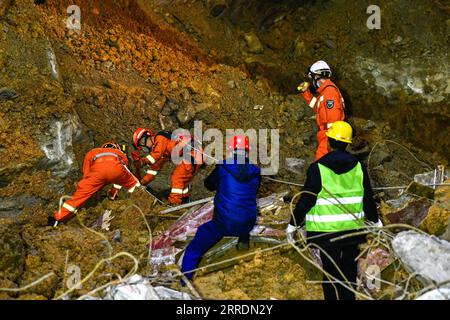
[[237, 183], [344, 201], [101, 166]]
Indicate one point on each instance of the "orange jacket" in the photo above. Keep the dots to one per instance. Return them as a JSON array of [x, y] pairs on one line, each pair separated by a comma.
[[328, 105], [162, 148], [89, 158]]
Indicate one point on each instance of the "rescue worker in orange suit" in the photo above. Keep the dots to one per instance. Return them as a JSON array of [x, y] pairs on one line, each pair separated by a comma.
[[161, 147], [328, 103], [102, 166]]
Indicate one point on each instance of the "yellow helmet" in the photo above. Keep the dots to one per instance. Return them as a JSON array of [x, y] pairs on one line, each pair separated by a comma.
[[341, 131]]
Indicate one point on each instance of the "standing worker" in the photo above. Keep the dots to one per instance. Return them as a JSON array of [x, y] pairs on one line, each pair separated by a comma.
[[161, 146], [101, 166], [343, 201], [237, 183], [328, 105]]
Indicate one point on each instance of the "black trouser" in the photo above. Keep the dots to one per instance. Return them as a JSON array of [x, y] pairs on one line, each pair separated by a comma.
[[344, 257]]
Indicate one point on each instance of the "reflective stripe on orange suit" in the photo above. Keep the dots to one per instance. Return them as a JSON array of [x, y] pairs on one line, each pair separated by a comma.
[[182, 175], [97, 174], [325, 116]]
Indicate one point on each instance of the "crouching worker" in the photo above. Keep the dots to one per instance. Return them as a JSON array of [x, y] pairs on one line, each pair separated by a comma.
[[342, 204], [101, 166], [236, 183]]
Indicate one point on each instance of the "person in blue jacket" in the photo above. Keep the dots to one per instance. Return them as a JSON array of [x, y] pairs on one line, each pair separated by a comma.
[[236, 183]]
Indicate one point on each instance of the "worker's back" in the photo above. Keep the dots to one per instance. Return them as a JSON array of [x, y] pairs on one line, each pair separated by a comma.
[[238, 186]]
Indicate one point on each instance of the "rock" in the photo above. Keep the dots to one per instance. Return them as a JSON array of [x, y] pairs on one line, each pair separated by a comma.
[[436, 294], [413, 213], [379, 157], [295, 165], [56, 143], [253, 43], [186, 114], [416, 189], [216, 7], [12, 251], [438, 218], [11, 207], [369, 126], [425, 255], [117, 237], [4, 4], [210, 92], [231, 84], [7, 94], [330, 44]]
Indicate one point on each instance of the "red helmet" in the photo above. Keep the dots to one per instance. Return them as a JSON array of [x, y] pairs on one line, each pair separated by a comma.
[[239, 142], [139, 134], [112, 145]]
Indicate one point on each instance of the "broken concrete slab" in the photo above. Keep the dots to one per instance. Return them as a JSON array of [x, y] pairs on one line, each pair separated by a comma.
[[417, 189], [436, 294], [426, 256], [413, 213]]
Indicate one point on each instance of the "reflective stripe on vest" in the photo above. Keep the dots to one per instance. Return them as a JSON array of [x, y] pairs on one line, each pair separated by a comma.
[[339, 205], [151, 159], [105, 154], [152, 172], [69, 207], [179, 191]]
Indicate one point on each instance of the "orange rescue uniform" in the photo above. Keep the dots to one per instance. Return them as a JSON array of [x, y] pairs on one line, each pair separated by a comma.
[[329, 107], [102, 166], [182, 175]]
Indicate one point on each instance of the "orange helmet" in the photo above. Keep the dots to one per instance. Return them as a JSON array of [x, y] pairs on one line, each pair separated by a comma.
[[139, 134], [113, 145], [239, 142]]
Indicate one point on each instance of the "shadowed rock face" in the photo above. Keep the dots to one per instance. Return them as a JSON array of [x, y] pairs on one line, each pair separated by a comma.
[[400, 70], [164, 64]]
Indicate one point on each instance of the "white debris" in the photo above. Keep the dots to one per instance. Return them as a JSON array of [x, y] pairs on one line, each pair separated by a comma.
[[57, 146], [136, 288], [426, 256], [436, 294], [139, 288]]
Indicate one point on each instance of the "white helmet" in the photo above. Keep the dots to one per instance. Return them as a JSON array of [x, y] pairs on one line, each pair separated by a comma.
[[320, 68]]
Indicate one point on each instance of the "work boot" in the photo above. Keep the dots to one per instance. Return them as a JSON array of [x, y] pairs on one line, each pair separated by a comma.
[[185, 200], [51, 222], [242, 246]]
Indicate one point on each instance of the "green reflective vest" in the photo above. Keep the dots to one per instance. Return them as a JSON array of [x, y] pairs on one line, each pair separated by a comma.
[[339, 205]]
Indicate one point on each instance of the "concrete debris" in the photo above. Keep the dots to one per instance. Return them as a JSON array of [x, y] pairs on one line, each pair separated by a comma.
[[436, 294], [424, 255], [7, 94], [413, 213]]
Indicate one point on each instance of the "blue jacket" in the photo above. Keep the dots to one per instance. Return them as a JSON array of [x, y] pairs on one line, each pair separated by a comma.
[[235, 202]]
